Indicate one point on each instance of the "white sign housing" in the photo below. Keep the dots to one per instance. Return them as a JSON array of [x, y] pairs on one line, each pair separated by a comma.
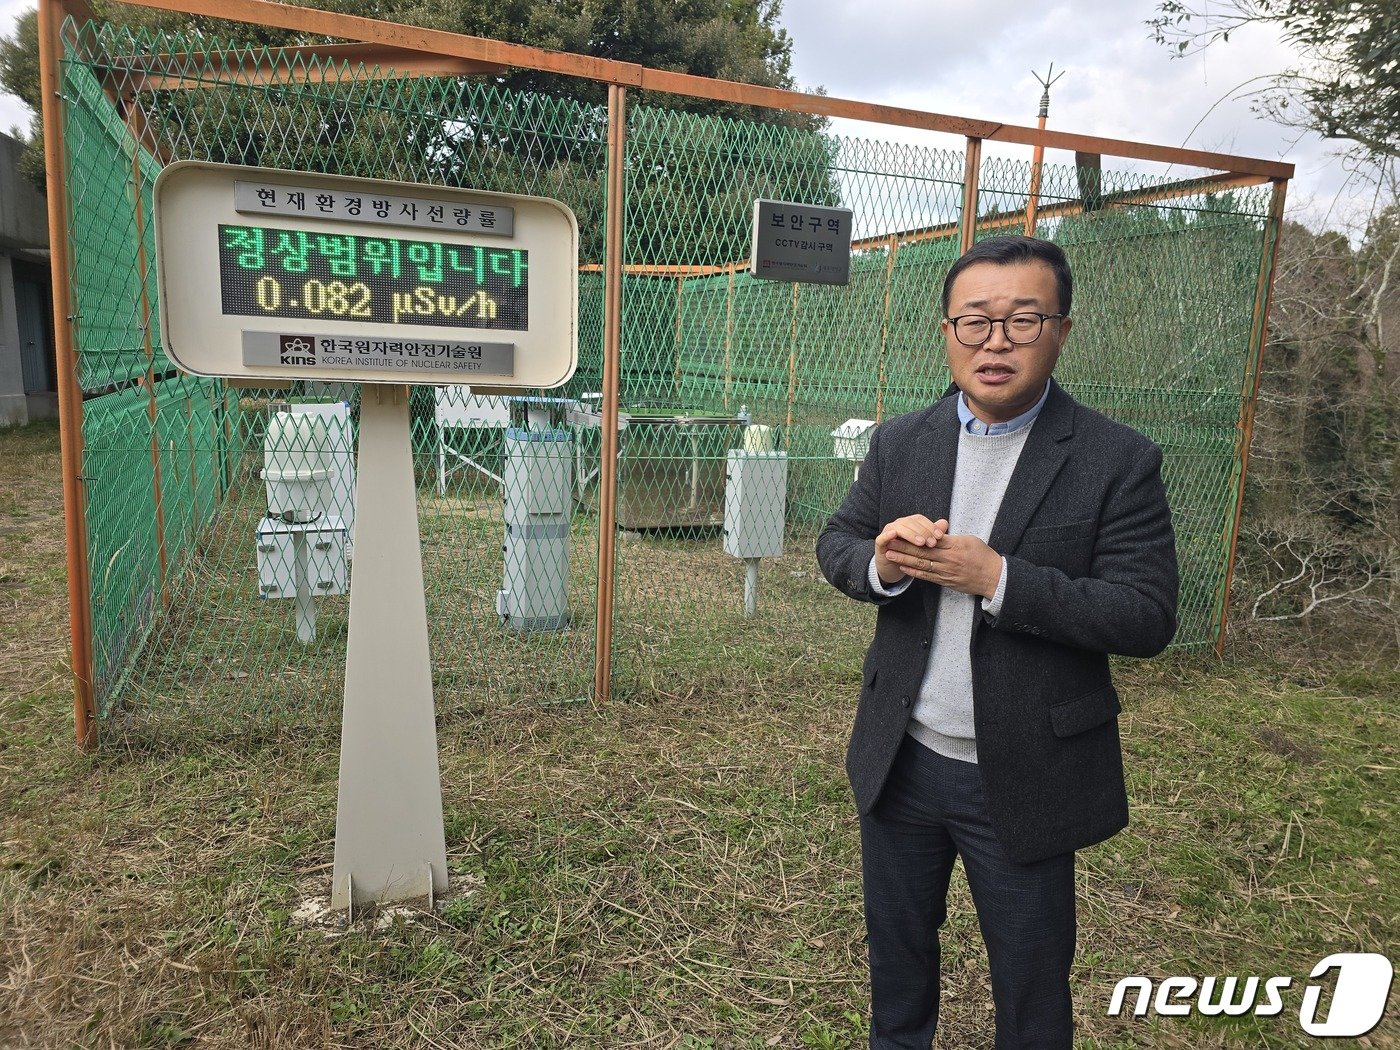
[[268, 274]]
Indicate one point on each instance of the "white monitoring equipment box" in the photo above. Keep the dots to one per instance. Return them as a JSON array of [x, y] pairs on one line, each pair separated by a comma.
[[851, 440], [539, 504], [325, 566], [755, 502]]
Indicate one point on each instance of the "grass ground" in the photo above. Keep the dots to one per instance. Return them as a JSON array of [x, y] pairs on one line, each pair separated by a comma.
[[675, 868]]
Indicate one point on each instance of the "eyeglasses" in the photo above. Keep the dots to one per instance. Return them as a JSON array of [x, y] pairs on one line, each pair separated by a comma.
[[975, 329]]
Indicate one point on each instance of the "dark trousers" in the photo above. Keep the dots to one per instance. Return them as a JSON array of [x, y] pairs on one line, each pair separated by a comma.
[[930, 811]]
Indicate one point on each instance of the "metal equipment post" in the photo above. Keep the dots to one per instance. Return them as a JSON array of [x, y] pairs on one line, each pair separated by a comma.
[[1038, 164], [612, 350], [967, 224], [70, 395], [1249, 395]]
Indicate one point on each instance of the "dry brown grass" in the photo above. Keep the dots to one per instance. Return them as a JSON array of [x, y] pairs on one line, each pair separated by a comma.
[[33, 599], [676, 868]]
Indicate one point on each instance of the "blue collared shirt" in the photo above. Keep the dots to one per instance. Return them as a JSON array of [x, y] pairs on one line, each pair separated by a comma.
[[973, 425]]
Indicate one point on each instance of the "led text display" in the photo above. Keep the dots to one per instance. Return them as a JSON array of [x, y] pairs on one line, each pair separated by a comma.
[[272, 272]]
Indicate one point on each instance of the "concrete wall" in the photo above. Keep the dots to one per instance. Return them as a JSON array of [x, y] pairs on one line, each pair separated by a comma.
[[24, 234], [24, 216], [14, 406]]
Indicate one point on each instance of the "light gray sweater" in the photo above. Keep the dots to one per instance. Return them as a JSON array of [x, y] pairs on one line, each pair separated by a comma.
[[943, 714]]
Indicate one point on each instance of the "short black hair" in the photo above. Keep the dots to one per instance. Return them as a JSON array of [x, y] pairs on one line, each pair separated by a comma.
[[1011, 249]]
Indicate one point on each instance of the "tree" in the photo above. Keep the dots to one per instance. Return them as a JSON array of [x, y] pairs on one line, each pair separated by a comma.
[[19, 55], [728, 39], [19, 75], [706, 170], [1320, 535], [1347, 85], [1321, 532], [731, 39]]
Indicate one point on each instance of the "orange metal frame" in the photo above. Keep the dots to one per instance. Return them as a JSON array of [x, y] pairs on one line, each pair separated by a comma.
[[627, 74], [70, 395], [314, 63], [612, 357], [1249, 396], [425, 52]]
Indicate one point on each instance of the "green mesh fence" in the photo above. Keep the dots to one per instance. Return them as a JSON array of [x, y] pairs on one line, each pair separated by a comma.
[[212, 589], [1163, 308], [226, 596]]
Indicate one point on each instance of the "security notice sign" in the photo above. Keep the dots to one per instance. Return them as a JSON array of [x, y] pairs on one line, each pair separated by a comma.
[[801, 242], [279, 274]]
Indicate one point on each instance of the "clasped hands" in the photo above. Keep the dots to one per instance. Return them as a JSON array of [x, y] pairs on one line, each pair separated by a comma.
[[925, 550]]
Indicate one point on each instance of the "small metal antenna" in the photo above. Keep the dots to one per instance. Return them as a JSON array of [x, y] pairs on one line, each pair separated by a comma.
[[1045, 82]]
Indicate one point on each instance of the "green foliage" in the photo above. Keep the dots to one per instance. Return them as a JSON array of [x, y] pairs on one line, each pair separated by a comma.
[[19, 54], [19, 76], [697, 179], [728, 39], [731, 39], [1322, 524], [19, 61], [1348, 86]]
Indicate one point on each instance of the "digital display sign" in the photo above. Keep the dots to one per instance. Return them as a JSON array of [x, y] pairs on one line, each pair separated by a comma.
[[327, 275], [276, 274]]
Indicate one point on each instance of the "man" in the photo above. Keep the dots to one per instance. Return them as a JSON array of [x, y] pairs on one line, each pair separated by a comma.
[[1012, 538]]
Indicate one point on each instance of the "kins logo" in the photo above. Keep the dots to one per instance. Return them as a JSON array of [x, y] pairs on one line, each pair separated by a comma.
[[296, 349]]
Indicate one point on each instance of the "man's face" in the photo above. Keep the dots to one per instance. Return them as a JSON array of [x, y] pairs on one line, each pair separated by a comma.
[[1001, 379]]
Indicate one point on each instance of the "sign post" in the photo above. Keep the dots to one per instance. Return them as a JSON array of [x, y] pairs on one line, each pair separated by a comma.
[[274, 275], [389, 841]]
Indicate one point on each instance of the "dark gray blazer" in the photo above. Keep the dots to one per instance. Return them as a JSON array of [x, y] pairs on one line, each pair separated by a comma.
[[1091, 570]]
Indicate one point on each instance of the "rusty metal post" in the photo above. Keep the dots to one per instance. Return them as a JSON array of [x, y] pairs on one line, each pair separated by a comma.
[[885, 328], [1033, 197], [1249, 395], [792, 370], [612, 355], [1038, 164], [149, 380], [70, 395], [728, 339], [972, 169]]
